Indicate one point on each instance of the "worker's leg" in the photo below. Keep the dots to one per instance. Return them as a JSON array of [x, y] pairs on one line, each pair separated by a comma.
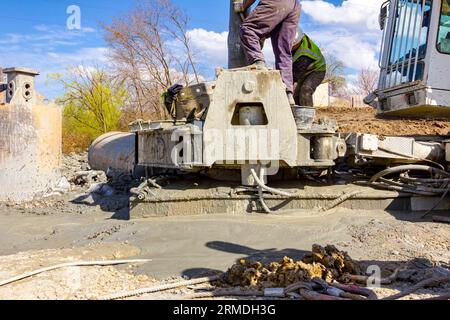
[[282, 38], [260, 24], [305, 90]]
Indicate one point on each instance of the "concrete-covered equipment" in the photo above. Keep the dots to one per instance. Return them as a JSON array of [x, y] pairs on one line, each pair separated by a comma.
[[30, 139], [414, 59], [113, 150], [241, 131], [247, 122]]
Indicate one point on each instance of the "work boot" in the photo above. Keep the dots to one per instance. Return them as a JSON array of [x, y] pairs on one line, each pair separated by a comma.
[[291, 99], [260, 65]]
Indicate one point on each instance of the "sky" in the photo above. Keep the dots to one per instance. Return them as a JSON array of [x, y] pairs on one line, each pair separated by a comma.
[[34, 33]]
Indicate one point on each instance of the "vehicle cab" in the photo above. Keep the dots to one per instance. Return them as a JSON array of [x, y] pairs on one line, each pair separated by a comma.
[[414, 59]]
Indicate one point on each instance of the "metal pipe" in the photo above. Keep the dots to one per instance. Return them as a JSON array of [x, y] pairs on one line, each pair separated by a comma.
[[413, 38], [407, 40], [388, 42], [236, 55], [419, 39], [394, 41], [402, 16], [383, 37]]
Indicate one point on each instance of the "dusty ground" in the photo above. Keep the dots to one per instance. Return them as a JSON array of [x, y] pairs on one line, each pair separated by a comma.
[[364, 120], [82, 225]]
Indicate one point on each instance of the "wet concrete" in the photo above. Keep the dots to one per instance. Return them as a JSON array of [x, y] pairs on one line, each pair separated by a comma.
[[185, 245]]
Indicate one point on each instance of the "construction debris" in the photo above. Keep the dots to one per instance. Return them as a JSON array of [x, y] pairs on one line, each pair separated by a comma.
[[327, 263]]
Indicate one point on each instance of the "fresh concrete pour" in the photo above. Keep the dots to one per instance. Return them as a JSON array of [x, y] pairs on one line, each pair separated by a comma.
[[200, 245]]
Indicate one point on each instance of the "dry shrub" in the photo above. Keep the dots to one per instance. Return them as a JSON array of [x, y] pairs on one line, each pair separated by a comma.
[[74, 141]]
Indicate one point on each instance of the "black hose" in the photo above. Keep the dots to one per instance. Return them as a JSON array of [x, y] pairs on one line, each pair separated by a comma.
[[409, 168]]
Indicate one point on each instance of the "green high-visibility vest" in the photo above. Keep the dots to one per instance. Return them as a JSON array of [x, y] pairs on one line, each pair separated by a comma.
[[309, 49]]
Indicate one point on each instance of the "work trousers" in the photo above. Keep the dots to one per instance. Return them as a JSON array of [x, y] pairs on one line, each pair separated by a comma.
[[279, 20], [306, 86]]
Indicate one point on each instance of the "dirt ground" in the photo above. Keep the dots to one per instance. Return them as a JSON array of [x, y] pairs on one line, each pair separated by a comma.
[[86, 224], [364, 120]]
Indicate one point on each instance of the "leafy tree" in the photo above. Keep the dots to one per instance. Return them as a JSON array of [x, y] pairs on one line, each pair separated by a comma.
[[92, 104]]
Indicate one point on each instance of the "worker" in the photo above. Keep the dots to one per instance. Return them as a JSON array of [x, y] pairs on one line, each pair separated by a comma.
[[277, 19], [309, 69]]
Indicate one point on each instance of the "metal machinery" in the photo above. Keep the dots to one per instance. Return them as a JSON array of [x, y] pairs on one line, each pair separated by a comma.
[[243, 121], [240, 130], [414, 60]]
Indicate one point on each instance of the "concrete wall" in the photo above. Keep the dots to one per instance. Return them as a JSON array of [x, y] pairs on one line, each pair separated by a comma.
[[356, 101], [30, 144], [30, 150]]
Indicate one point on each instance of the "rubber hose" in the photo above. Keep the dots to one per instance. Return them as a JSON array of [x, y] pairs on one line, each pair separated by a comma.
[[408, 168], [71, 264], [269, 189]]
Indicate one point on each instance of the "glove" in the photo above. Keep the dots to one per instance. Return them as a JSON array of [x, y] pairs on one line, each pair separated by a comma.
[[169, 98]]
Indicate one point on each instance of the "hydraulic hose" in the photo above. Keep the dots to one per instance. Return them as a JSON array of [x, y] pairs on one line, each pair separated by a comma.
[[409, 168], [269, 189]]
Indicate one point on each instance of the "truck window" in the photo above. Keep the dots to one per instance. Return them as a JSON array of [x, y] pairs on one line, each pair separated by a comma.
[[443, 41]]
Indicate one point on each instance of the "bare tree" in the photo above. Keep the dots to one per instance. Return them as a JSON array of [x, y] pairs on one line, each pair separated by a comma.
[[366, 82], [151, 51], [335, 75]]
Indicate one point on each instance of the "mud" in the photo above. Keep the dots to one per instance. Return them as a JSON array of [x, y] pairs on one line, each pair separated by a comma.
[[365, 120]]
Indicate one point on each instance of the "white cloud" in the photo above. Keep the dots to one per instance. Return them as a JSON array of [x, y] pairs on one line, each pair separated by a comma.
[[361, 13], [349, 31], [356, 53], [211, 48]]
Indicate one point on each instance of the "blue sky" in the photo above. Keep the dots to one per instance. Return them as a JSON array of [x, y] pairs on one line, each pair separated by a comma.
[[34, 33]]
